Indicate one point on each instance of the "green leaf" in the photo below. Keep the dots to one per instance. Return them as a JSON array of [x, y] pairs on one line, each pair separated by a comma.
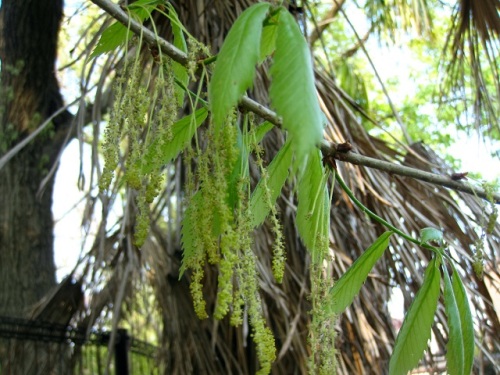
[[259, 132], [313, 210], [182, 132], [455, 345], [110, 39], [431, 234], [235, 68], [116, 34], [293, 91], [268, 40], [416, 329], [348, 286], [180, 72], [277, 175], [466, 322]]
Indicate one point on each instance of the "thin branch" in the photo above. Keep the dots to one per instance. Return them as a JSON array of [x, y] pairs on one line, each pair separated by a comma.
[[326, 21], [326, 147], [443, 180], [18, 147]]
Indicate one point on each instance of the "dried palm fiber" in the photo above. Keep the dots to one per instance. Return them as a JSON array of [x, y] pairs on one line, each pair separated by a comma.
[[365, 331]]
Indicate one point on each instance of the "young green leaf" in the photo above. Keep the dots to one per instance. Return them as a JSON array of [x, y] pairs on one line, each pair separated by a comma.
[[277, 175], [235, 68], [466, 322], [182, 132], [313, 210], [416, 329], [110, 39], [259, 132], [117, 34], [268, 40], [455, 346], [348, 286], [293, 91], [431, 234]]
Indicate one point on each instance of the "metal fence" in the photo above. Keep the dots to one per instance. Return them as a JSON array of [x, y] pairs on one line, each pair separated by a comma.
[[32, 347]]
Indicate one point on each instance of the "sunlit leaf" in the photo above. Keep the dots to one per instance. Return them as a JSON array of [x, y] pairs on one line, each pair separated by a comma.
[[313, 210], [293, 92], [277, 175], [348, 286], [235, 68], [416, 329]]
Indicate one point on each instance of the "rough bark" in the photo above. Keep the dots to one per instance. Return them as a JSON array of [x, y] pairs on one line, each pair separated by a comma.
[[30, 94]]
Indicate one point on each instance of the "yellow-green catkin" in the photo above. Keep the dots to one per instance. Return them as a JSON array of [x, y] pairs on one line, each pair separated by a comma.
[[196, 51], [478, 258], [279, 255], [493, 216], [224, 234], [113, 134], [261, 334], [196, 288], [213, 220], [322, 327], [146, 112]]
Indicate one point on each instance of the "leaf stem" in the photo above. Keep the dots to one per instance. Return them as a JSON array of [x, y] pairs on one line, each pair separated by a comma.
[[380, 220]]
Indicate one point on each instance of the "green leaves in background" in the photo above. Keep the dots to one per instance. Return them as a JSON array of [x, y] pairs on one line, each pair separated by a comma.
[[416, 329], [182, 133], [313, 211], [235, 68], [460, 347], [353, 83], [277, 175], [348, 286], [293, 91]]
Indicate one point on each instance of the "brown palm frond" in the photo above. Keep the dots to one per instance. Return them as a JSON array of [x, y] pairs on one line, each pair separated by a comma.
[[396, 16], [473, 44]]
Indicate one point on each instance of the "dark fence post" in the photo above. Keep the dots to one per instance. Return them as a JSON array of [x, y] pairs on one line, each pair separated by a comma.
[[121, 352]]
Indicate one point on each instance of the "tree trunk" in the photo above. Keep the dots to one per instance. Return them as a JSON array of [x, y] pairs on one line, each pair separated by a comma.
[[29, 95]]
